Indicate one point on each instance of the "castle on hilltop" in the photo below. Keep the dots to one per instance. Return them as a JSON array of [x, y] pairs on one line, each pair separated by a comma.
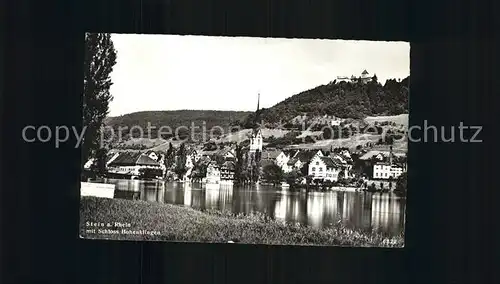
[[364, 78]]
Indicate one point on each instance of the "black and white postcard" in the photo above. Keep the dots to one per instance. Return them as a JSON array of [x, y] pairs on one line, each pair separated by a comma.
[[267, 141]]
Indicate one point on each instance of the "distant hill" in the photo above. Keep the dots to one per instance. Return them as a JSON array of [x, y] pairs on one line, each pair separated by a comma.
[[345, 100], [174, 119]]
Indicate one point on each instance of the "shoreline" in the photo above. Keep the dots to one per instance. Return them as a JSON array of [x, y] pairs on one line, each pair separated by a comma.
[[167, 222]]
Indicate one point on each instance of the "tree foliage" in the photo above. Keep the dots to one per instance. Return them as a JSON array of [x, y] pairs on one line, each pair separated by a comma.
[[344, 99], [273, 173], [402, 184], [180, 167], [99, 59], [169, 156]]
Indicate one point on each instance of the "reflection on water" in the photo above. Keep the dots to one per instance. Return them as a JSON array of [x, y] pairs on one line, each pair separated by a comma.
[[380, 211]]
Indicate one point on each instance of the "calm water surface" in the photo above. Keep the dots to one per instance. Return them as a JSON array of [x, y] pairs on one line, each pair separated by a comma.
[[383, 212]]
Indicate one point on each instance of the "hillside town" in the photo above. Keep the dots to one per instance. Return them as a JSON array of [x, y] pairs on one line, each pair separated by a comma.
[[174, 150], [369, 167]]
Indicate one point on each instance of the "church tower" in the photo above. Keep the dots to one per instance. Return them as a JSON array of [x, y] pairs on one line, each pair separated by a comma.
[[256, 139]]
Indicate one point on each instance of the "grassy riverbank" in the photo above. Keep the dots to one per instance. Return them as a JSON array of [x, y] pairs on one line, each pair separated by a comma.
[[154, 221]]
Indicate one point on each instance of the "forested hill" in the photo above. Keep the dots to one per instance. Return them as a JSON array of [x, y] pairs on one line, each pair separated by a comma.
[[345, 100], [176, 118]]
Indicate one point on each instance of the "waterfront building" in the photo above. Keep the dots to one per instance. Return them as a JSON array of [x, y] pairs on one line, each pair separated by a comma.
[[386, 169], [132, 163], [213, 173], [227, 171], [326, 169]]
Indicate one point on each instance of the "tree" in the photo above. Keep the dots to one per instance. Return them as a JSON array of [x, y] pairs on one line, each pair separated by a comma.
[[273, 173], [169, 156], [199, 171], [180, 167], [401, 184], [293, 178], [239, 166], [99, 59], [99, 165]]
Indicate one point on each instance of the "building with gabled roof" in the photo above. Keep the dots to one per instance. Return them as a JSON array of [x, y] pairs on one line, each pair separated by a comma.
[[227, 171], [132, 163], [326, 168]]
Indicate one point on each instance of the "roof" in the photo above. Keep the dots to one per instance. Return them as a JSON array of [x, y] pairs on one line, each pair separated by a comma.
[[365, 72], [270, 154], [133, 159], [266, 162], [388, 164], [255, 131], [228, 165], [213, 164], [330, 162], [306, 156], [223, 152], [292, 161], [372, 153], [290, 152]]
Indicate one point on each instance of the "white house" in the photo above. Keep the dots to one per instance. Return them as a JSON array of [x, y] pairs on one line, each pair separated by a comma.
[[300, 159], [213, 173], [386, 170], [292, 164], [325, 168], [344, 162], [282, 160]]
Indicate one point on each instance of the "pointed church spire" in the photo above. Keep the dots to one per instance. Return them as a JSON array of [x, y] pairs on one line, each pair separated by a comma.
[[258, 101]]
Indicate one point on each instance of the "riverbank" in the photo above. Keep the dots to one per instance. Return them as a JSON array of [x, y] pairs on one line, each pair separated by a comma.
[[140, 220]]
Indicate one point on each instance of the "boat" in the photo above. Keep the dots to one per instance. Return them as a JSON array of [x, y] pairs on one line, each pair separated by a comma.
[[102, 190], [285, 185]]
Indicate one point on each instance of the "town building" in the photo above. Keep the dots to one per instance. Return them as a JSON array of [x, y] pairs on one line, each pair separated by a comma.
[[364, 78], [282, 160], [326, 169], [271, 154], [131, 163], [213, 173], [388, 169], [227, 171], [300, 159], [227, 154]]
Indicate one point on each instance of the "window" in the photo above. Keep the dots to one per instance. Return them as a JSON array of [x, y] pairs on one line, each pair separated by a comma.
[[317, 163], [320, 169], [313, 169]]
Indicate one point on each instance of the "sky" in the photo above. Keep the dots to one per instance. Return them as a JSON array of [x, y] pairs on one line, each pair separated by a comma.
[[171, 72]]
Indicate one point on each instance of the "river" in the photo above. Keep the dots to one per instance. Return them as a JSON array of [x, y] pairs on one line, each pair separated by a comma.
[[383, 212]]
